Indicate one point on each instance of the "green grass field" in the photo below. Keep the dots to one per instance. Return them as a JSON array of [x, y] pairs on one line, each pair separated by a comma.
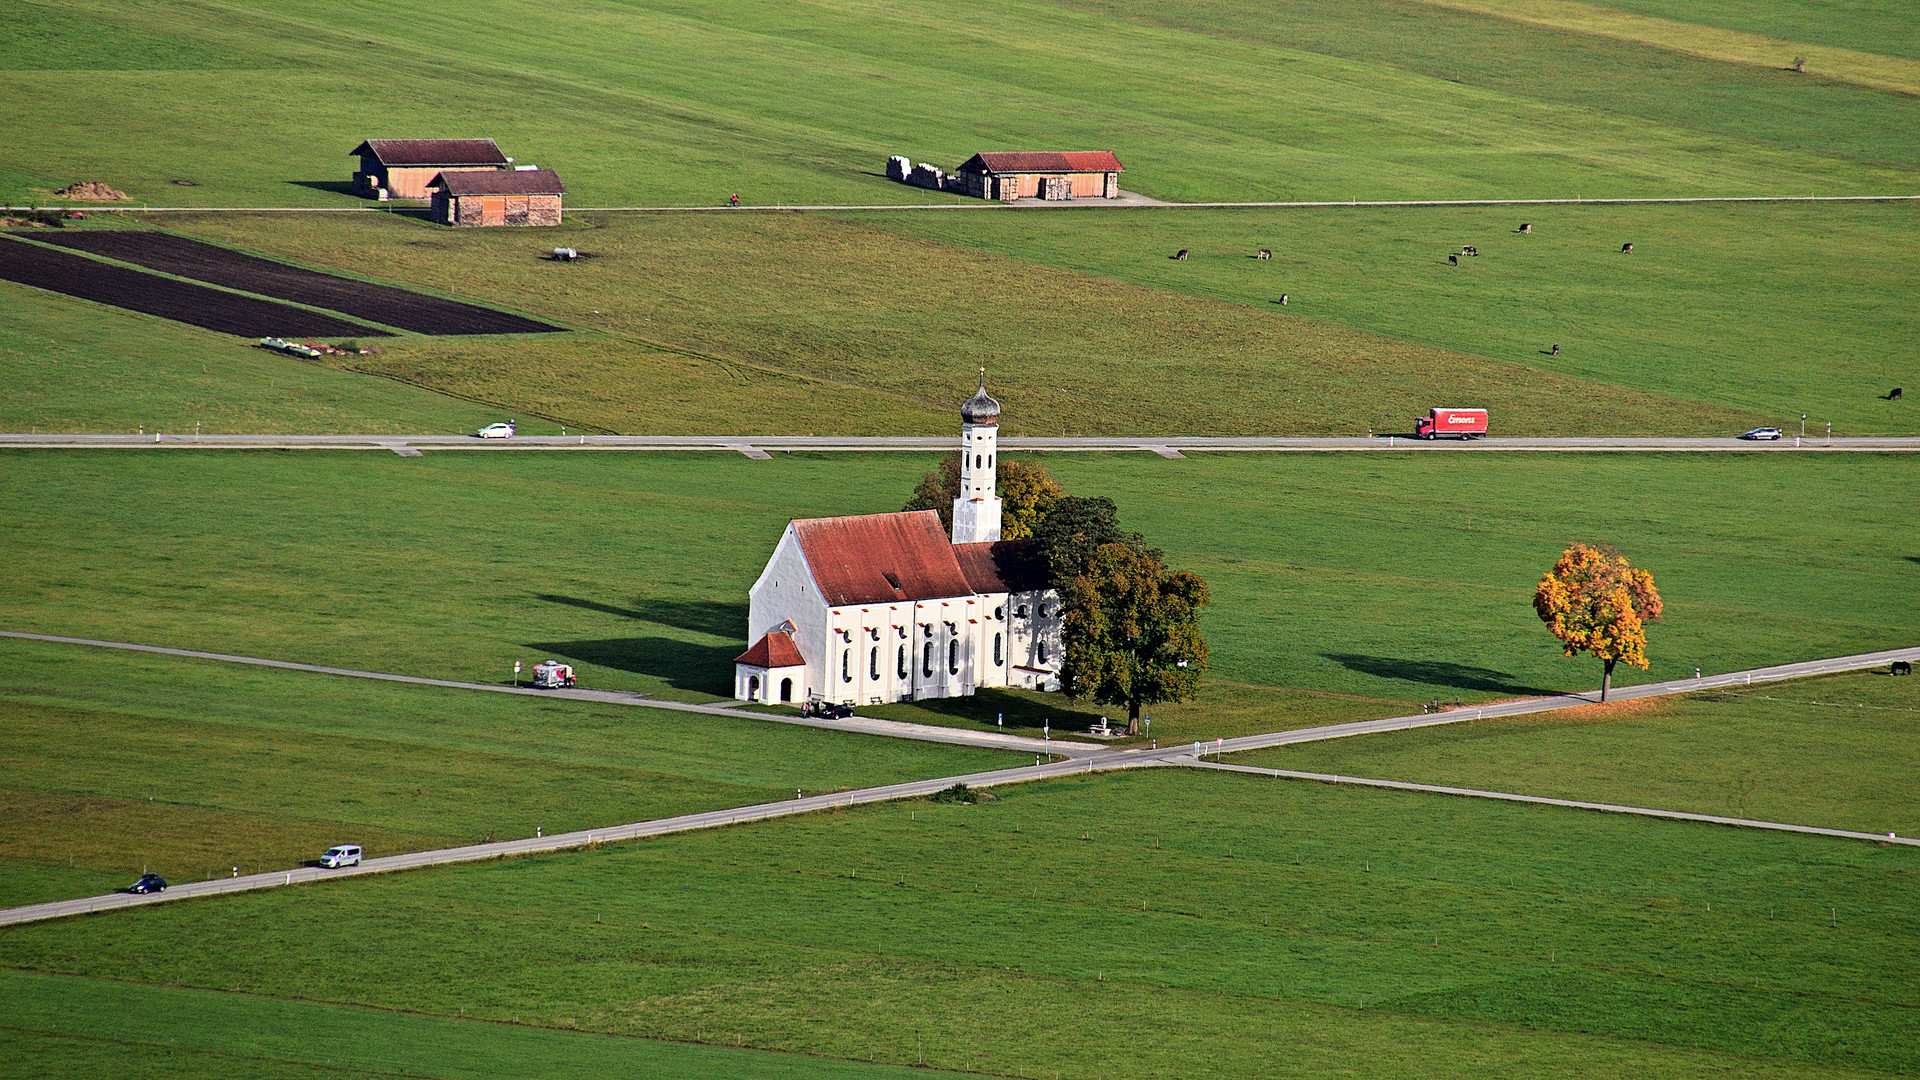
[[118, 763], [1137, 925], [1837, 752], [1388, 579], [668, 102], [59, 1027]]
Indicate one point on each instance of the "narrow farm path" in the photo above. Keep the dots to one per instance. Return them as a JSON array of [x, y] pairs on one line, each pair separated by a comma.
[[859, 725], [1100, 761], [1572, 804]]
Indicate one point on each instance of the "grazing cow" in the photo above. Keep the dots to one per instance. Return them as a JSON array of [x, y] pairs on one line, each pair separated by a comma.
[[1469, 249], [1180, 255], [1453, 260], [1283, 299], [1526, 227], [1626, 249], [1894, 395], [1902, 667], [1556, 349], [1264, 253]]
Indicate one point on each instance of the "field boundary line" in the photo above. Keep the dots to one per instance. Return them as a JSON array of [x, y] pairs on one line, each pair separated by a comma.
[[857, 725], [1570, 804], [1278, 204]]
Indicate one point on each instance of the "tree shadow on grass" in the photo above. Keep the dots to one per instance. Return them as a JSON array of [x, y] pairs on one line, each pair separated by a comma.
[[683, 665], [727, 620], [1436, 673], [1017, 713]]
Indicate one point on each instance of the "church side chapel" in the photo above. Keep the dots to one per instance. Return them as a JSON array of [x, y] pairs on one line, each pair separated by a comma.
[[888, 607]]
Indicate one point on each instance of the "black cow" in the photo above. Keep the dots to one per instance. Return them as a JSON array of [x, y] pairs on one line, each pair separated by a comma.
[[1181, 255], [1556, 350], [1525, 227], [1626, 249], [1453, 260], [1894, 395], [1902, 667], [1283, 299]]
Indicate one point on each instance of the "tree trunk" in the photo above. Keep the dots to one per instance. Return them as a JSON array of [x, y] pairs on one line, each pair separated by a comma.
[[1606, 680], [1133, 718]]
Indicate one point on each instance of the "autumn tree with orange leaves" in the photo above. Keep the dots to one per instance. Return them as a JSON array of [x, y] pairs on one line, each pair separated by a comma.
[[1597, 602]]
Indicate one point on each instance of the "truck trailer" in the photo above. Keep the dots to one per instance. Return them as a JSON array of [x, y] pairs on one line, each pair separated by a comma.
[[1452, 424]]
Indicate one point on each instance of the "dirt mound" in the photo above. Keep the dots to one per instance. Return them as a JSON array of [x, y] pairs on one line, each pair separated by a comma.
[[91, 191]]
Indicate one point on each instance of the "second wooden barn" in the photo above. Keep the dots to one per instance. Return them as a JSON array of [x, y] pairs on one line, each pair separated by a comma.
[[520, 197], [404, 168], [1049, 175]]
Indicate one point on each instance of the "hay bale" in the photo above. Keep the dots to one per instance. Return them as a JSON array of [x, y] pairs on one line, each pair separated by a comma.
[[91, 191]]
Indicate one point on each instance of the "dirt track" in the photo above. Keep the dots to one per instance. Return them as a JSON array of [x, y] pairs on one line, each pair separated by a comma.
[[225, 312], [383, 304]]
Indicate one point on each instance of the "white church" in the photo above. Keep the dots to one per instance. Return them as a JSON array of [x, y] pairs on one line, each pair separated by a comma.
[[886, 607]]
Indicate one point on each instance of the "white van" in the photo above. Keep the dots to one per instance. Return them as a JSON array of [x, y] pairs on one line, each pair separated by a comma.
[[344, 855]]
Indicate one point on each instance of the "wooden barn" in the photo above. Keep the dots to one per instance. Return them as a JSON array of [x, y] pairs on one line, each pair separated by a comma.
[[405, 168], [518, 197], [1040, 175]]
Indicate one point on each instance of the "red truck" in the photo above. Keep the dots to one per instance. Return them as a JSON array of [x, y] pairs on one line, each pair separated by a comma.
[[1452, 424]]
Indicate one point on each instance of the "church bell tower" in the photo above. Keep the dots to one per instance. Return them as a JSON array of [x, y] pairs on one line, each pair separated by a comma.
[[976, 513]]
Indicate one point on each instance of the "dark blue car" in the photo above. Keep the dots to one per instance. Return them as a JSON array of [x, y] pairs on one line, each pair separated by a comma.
[[148, 883]]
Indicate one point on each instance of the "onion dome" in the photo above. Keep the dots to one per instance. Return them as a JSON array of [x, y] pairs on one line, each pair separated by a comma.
[[980, 408]]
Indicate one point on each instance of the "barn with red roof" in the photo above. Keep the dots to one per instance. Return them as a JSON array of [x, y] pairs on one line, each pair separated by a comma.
[[1049, 175]]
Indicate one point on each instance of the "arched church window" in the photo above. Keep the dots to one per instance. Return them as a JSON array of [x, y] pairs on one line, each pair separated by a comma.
[[846, 665], [1021, 611], [926, 661], [1043, 611], [999, 613], [976, 461], [753, 688], [953, 657], [786, 689], [903, 661], [1042, 652], [996, 651], [873, 663]]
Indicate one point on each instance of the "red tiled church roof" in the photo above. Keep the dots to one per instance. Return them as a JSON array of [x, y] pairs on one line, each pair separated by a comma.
[[881, 558], [1046, 161], [1001, 566], [775, 649], [432, 151]]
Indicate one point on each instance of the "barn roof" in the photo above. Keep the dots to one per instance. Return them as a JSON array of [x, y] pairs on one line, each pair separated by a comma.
[[432, 151], [1046, 161], [774, 649], [1002, 566], [881, 558], [496, 182]]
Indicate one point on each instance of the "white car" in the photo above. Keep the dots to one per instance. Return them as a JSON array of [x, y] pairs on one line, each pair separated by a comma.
[[344, 855], [495, 431], [1762, 434]]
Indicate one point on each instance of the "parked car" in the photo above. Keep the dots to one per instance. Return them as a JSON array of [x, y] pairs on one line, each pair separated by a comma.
[[148, 883], [1762, 434], [337, 857], [495, 431], [837, 711]]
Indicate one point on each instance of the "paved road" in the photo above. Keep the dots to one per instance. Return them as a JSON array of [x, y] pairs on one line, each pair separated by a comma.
[[762, 447], [1524, 706], [1132, 200], [861, 725], [1184, 754], [558, 841], [1572, 804]]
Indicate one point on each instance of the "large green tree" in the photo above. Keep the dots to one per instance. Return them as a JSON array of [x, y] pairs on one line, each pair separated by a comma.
[[1078, 526], [1027, 494], [1132, 630]]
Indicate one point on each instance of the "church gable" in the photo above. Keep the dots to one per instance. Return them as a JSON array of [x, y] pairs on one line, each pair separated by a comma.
[[881, 558]]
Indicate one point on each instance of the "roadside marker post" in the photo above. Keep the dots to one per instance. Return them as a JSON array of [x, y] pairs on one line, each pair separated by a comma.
[[516, 673]]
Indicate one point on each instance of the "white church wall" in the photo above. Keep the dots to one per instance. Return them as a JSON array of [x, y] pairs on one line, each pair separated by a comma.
[[786, 593]]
